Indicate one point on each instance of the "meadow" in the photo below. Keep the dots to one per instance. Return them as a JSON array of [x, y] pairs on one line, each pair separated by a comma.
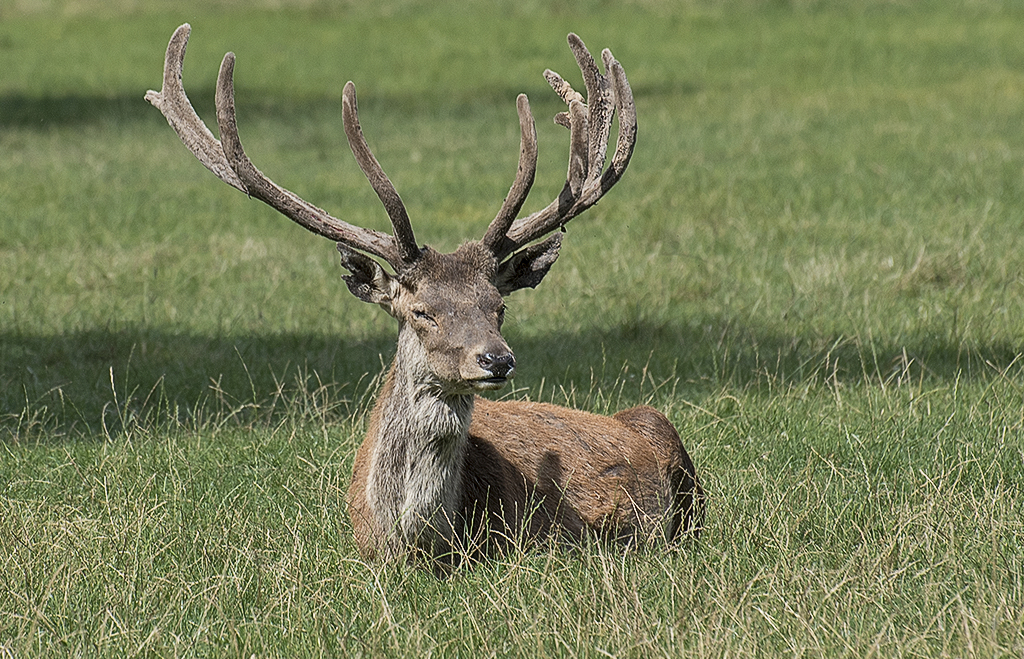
[[814, 266]]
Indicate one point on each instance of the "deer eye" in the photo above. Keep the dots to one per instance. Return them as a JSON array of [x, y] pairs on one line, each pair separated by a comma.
[[423, 317]]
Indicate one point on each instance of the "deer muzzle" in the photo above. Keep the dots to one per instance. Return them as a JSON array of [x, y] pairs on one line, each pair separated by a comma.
[[496, 367]]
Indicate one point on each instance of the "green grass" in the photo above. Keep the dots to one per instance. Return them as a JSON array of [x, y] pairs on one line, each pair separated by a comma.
[[814, 266]]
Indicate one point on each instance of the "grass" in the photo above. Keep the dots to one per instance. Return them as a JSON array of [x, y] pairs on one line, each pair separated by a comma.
[[813, 266]]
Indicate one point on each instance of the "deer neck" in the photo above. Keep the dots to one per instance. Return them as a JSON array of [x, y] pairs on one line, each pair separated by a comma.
[[416, 467]]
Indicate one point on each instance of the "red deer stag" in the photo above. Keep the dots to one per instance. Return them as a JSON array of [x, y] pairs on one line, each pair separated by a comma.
[[443, 472]]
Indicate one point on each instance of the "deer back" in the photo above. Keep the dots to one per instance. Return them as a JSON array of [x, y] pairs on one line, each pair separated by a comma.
[[534, 470]]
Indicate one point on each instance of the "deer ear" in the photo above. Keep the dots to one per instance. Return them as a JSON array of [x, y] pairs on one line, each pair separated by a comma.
[[368, 281], [527, 267]]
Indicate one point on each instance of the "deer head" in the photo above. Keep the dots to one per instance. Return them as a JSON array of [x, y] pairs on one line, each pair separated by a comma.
[[449, 309], [449, 306]]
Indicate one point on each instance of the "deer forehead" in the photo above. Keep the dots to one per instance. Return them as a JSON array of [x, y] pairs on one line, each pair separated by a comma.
[[459, 298], [452, 283]]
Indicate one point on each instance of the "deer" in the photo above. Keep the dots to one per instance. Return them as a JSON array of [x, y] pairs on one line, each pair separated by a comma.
[[444, 472]]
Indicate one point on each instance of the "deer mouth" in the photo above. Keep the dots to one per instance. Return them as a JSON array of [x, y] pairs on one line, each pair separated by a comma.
[[489, 384]]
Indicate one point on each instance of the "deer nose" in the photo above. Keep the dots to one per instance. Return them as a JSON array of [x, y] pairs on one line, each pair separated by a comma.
[[499, 366]]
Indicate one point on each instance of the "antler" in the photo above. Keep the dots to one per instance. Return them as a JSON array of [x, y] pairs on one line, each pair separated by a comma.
[[227, 160], [589, 123]]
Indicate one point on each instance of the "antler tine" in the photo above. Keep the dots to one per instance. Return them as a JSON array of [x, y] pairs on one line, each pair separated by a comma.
[[590, 129], [287, 203], [375, 175], [228, 161], [575, 119], [176, 108], [627, 121], [524, 178], [579, 154], [600, 107]]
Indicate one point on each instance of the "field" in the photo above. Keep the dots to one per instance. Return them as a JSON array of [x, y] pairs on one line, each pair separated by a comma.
[[814, 266]]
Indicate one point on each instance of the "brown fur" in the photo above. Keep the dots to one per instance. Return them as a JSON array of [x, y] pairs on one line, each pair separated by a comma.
[[535, 471]]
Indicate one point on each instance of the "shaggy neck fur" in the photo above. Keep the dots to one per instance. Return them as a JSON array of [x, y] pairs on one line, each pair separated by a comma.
[[415, 476]]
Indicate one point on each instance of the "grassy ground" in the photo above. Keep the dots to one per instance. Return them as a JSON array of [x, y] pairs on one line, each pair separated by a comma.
[[813, 266]]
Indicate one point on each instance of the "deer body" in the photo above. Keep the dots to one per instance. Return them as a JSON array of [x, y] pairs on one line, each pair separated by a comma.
[[443, 471], [511, 475]]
